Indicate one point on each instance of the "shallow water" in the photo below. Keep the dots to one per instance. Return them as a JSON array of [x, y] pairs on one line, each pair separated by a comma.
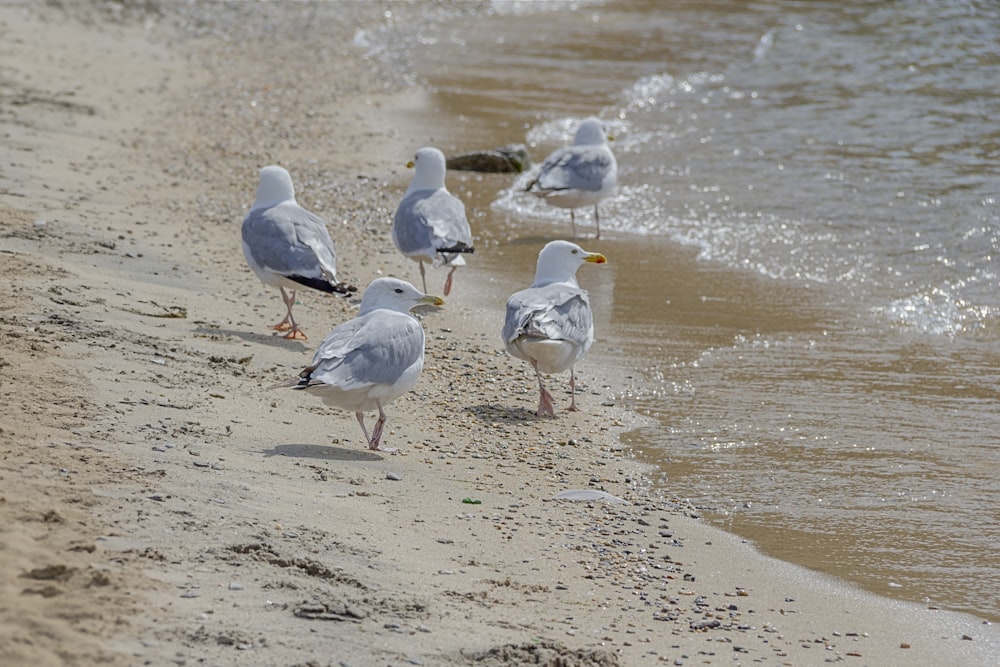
[[805, 253]]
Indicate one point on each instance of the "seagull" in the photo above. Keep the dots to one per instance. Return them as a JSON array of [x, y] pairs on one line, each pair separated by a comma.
[[372, 359], [286, 246], [550, 324], [578, 175], [430, 223]]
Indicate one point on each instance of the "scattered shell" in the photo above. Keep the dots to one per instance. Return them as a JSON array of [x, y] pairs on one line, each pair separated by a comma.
[[589, 494]]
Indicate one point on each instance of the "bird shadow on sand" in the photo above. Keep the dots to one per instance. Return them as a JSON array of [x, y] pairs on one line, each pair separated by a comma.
[[502, 415], [251, 337], [324, 452]]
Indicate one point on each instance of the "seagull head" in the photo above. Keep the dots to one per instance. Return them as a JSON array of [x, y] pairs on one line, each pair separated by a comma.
[[274, 187], [559, 260], [395, 294], [591, 133], [429, 169]]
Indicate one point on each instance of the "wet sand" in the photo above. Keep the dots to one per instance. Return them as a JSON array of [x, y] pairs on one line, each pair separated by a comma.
[[159, 505]]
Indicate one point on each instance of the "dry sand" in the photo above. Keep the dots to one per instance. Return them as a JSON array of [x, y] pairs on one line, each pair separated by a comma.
[[158, 505]]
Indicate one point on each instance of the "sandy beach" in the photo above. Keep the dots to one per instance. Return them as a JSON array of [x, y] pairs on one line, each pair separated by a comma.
[[160, 505]]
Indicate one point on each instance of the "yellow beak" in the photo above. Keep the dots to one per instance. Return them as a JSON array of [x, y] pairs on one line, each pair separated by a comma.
[[596, 258], [433, 300], [409, 165]]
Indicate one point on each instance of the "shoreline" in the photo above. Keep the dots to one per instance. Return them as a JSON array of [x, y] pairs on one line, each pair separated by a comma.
[[203, 518]]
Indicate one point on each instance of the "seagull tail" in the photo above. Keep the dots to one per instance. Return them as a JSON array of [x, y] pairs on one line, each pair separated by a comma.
[[285, 383], [301, 382]]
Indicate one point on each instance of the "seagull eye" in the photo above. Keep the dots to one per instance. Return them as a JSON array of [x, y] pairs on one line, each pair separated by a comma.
[[574, 251], [399, 290]]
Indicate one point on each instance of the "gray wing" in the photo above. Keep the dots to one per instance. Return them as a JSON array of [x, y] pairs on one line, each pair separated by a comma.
[[429, 220], [289, 240], [556, 312], [372, 349], [575, 168]]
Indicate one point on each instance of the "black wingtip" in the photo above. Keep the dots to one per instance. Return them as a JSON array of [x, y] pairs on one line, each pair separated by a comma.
[[305, 377], [344, 289], [461, 247], [323, 285]]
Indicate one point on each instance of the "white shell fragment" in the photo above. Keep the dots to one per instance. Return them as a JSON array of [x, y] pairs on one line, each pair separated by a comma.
[[589, 494]]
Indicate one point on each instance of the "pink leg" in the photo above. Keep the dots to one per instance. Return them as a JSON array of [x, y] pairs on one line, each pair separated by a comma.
[[597, 221], [423, 277], [288, 324], [284, 325], [572, 220], [361, 420], [572, 390], [447, 281], [373, 444], [545, 405]]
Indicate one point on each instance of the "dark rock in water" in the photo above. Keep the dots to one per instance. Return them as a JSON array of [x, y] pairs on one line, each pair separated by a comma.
[[506, 159]]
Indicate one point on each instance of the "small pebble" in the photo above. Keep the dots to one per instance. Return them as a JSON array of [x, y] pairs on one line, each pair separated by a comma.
[[234, 586], [393, 476]]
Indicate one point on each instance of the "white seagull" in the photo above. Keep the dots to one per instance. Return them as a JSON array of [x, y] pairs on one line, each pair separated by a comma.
[[578, 175], [287, 246], [373, 359], [550, 324], [430, 223]]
